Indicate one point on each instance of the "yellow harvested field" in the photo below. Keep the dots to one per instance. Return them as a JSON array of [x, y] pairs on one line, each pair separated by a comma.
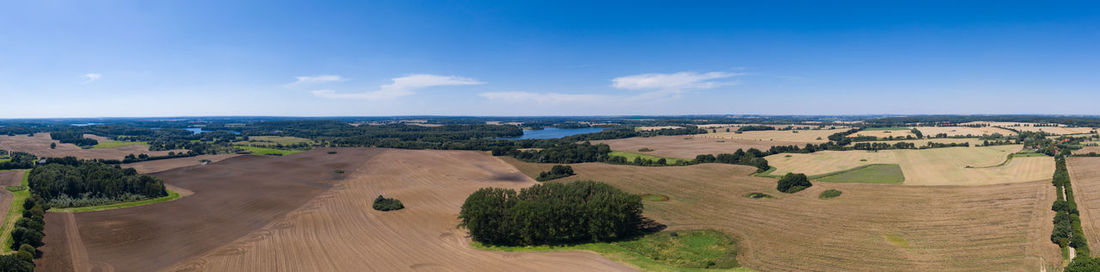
[[924, 142], [39, 145], [883, 134], [871, 227], [1087, 149], [804, 136], [936, 166], [964, 131], [794, 126], [1058, 130], [1084, 174], [687, 147]]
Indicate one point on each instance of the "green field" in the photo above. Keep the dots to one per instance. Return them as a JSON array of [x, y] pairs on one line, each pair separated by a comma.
[[172, 195], [15, 212], [255, 150], [114, 144], [5, 160], [887, 128], [686, 251], [630, 157], [872, 173]]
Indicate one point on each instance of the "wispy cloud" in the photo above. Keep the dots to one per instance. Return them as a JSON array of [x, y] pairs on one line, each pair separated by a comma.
[[674, 81], [89, 77], [316, 79], [543, 97], [401, 86]]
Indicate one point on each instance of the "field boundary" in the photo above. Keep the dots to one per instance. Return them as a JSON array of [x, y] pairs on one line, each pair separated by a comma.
[[172, 195], [15, 212]]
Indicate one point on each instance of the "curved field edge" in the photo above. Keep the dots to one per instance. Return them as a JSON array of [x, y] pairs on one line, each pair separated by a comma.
[[15, 212], [172, 195], [616, 252]]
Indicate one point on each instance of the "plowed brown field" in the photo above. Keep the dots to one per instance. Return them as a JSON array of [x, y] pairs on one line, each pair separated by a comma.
[[264, 213], [39, 145], [871, 227], [146, 167]]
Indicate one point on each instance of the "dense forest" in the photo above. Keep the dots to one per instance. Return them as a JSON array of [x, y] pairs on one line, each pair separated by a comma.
[[69, 182], [551, 213]]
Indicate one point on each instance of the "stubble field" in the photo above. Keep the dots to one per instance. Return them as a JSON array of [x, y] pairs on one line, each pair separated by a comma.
[[936, 166], [686, 147], [1084, 174], [805, 136], [964, 131], [871, 227]]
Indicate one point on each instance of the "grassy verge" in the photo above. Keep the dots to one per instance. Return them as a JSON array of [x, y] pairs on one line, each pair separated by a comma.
[[15, 212], [872, 173], [5, 160], [663, 251], [766, 174], [255, 150], [114, 144], [630, 157], [172, 195]]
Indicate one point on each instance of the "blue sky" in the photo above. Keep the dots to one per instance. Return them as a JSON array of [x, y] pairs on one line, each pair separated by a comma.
[[515, 58]]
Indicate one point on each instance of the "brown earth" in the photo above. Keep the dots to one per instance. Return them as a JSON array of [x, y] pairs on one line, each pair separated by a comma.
[[686, 147], [265, 213], [871, 227], [168, 164], [39, 145], [1084, 174]]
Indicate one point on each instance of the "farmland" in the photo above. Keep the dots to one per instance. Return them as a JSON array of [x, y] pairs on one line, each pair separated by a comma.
[[11, 203], [937, 166], [630, 156], [964, 131], [872, 227], [806, 136], [924, 142], [1021, 126], [686, 147], [256, 150], [1085, 177], [266, 141], [295, 213], [40, 146], [886, 133]]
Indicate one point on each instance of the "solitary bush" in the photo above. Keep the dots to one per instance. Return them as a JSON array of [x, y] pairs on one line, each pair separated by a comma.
[[831, 193], [792, 183], [556, 172], [645, 149], [387, 204], [551, 213], [756, 195]]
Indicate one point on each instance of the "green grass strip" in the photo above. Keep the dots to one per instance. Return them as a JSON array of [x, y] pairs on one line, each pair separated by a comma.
[[630, 157], [172, 195], [255, 150], [15, 212], [114, 144], [871, 173]]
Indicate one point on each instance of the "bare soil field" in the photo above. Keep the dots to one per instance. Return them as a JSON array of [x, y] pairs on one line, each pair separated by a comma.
[[146, 167], [807, 136], [883, 134], [294, 213], [871, 227], [1084, 174], [936, 166], [1059, 130], [39, 145], [964, 131], [686, 147]]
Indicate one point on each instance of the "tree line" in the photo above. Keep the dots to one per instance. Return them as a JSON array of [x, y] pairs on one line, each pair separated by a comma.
[[551, 213], [26, 236], [68, 182]]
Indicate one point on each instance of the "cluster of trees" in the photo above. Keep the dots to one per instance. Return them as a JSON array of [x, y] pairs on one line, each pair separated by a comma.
[[556, 172], [792, 183], [19, 160], [551, 213], [75, 137], [26, 236], [952, 120], [639, 161], [883, 146], [387, 204], [1067, 220], [565, 152], [69, 182], [753, 157], [629, 131], [755, 128], [145, 157]]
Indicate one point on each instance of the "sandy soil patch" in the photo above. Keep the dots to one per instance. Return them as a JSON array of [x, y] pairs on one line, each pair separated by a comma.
[[39, 145], [1003, 227], [936, 166]]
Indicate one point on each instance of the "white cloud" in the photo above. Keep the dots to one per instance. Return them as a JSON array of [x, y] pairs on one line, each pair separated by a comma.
[[316, 79], [675, 81], [89, 77], [543, 97], [401, 86]]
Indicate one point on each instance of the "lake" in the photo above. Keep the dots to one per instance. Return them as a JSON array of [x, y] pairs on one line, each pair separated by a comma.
[[196, 130], [551, 133]]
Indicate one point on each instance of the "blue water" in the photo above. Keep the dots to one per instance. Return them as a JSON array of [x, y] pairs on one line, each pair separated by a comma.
[[86, 124], [196, 130], [551, 133]]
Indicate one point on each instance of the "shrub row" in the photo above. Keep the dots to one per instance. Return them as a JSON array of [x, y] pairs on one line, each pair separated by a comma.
[[556, 172], [26, 237]]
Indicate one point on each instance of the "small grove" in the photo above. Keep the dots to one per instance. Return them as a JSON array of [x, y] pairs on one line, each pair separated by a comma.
[[551, 213], [26, 237], [556, 172], [69, 182]]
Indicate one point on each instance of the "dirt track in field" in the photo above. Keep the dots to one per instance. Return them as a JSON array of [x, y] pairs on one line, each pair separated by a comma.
[[1004, 227], [39, 145], [293, 213], [687, 146], [1084, 174]]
